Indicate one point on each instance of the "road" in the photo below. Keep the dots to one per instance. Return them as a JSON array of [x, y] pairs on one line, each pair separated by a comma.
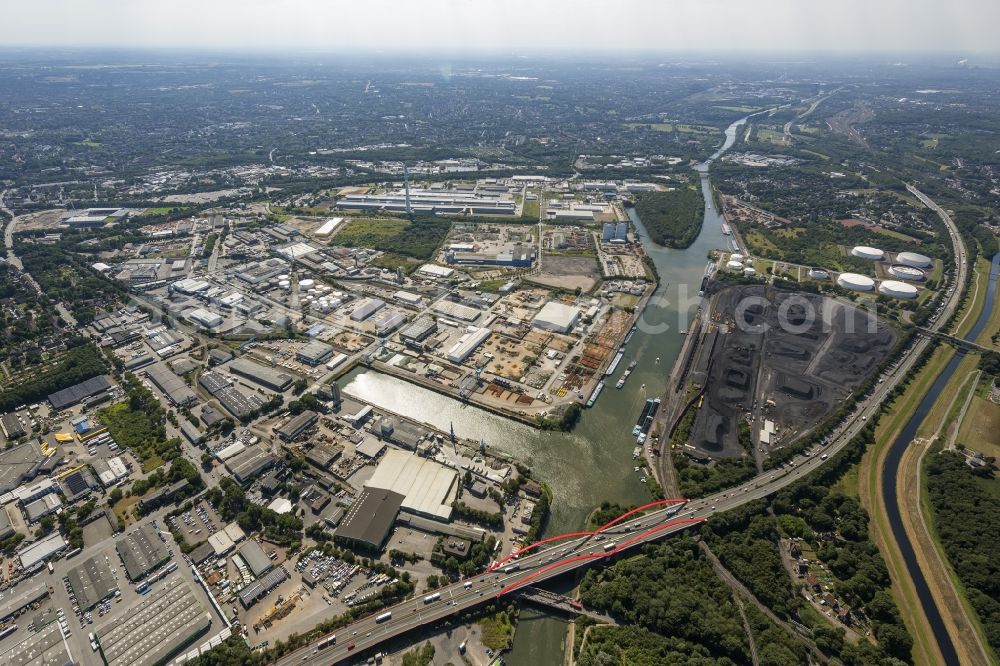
[[13, 260], [578, 551]]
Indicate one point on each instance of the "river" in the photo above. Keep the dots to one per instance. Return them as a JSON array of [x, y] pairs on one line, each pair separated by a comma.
[[593, 463], [890, 472]]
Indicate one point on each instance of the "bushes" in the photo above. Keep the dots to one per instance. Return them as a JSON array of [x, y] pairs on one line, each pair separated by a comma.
[[967, 519]]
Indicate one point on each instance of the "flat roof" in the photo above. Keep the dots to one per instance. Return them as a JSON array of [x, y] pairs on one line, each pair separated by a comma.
[[371, 516], [19, 464], [37, 552], [92, 581], [45, 647], [425, 484], [255, 557], [152, 630], [268, 377], [142, 551], [74, 394]]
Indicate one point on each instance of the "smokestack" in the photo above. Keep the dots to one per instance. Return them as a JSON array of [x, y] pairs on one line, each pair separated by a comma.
[[406, 186]]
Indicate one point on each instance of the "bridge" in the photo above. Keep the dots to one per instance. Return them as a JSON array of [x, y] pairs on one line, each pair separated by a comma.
[[560, 602], [961, 343], [511, 575]]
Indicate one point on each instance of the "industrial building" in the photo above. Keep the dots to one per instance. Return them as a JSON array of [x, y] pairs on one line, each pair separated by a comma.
[[433, 270], [429, 202], [457, 311], [314, 352], [518, 257], [418, 331], [110, 470], [267, 377], [467, 344], [367, 308], [408, 298], [324, 454], [46, 646], [70, 396], [92, 582], [41, 507], [387, 323], [12, 426], [23, 463], [235, 401], [172, 386], [329, 226], [6, 528], [258, 589], [78, 485], [142, 551], [297, 425], [557, 317], [427, 486], [204, 318], [250, 464], [156, 628], [255, 558], [370, 519], [35, 555]]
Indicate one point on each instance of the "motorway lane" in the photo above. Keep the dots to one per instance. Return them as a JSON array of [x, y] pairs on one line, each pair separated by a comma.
[[366, 633]]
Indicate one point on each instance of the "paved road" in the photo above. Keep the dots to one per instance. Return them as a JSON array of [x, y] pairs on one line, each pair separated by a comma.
[[561, 557]]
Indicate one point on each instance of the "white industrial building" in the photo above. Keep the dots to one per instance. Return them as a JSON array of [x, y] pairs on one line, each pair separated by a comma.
[[408, 297], [433, 270], [557, 317], [467, 344], [329, 226], [367, 308], [204, 318], [428, 487]]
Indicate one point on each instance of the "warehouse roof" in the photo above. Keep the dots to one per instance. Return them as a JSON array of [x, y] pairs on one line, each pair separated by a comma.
[[268, 377], [142, 551], [74, 394], [38, 552], [255, 557], [92, 581], [20, 464], [425, 484], [371, 516], [156, 627]]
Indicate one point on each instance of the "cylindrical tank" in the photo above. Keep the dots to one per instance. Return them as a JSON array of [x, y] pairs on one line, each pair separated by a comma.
[[897, 289], [906, 272], [818, 274], [749, 272], [865, 252], [734, 265], [913, 259], [855, 282], [307, 283]]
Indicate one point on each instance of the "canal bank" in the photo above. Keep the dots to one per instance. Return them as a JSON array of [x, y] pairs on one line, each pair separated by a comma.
[[890, 472], [593, 463]]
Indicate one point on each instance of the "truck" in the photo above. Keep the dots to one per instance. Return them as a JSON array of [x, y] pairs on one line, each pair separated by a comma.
[[467, 584], [327, 642], [431, 598], [511, 568], [610, 546], [383, 617]]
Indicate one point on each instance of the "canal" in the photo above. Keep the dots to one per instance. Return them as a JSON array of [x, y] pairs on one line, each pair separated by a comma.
[[592, 464], [891, 469]]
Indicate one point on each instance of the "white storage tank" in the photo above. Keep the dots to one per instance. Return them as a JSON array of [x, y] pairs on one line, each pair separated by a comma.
[[865, 252], [734, 265], [818, 274], [736, 257], [749, 272], [906, 272], [913, 259], [284, 284], [307, 283], [855, 282], [897, 289]]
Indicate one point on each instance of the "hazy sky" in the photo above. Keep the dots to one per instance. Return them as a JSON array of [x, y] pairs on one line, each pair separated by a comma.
[[508, 26]]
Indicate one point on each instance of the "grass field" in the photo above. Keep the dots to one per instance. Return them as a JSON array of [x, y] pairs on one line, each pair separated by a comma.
[[657, 127], [981, 427]]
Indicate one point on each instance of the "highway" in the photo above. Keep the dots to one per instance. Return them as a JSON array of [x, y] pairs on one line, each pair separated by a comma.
[[562, 554]]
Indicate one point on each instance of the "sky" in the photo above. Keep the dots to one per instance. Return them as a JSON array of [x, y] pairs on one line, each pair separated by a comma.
[[508, 26]]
